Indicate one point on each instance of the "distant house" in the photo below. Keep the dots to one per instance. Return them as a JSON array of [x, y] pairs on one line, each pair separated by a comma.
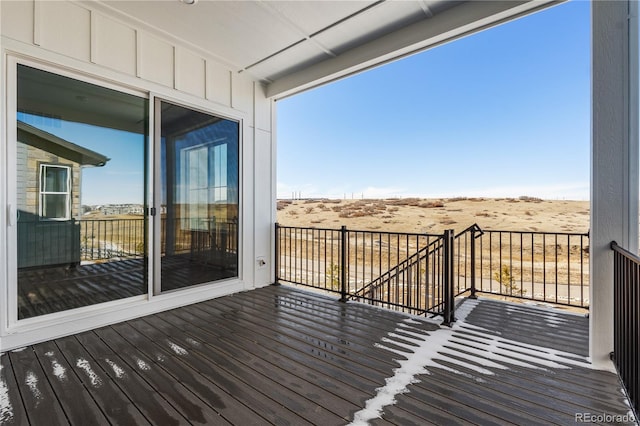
[[49, 200]]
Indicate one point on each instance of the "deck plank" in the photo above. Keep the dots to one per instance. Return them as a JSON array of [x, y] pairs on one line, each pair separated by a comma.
[[537, 326], [242, 391], [37, 395], [114, 403], [146, 399], [195, 368], [332, 336], [282, 356], [78, 404], [12, 410], [264, 360], [171, 389], [481, 401], [322, 348], [279, 391], [340, 382]]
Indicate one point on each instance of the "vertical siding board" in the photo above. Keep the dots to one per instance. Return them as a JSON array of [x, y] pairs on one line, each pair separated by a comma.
[[114, 45], [157, 61], [16, 19], [36, 22], [92, 37], [65, 28], [190, 73], [138, 54], [218, 83], [242, 95], [262, 107], [263, 203]]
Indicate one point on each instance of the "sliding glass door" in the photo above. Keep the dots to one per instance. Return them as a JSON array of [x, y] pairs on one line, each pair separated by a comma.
[[198, 196], [80, 193]]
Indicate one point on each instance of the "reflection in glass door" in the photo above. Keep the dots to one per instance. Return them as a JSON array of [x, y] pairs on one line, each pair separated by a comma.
[[199, 197], [80, 192]]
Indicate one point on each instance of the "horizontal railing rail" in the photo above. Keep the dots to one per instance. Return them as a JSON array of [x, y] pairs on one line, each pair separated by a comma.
[[179, 236], [549, 267], [72, 241], [404, 271], [423, 273], [105, 239], [626, 321]]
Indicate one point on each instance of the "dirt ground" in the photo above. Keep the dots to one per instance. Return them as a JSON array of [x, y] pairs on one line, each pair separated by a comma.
[[416, 215]]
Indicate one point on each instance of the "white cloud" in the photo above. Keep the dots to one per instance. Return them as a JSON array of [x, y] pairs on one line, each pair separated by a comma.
[[563, 191], [384, 192]]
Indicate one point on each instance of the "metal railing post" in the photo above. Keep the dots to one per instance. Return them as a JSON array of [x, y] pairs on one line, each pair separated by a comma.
[[343, 263], [276, 254], [473, 264], [449, 308]]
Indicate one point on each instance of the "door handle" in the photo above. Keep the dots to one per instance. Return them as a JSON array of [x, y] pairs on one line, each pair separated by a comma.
[[11, 215]]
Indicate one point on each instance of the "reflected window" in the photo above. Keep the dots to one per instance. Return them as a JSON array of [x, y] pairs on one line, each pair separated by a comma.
[[55, 193]]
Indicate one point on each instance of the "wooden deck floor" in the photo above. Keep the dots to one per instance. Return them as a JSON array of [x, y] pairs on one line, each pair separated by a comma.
[[283, 356]]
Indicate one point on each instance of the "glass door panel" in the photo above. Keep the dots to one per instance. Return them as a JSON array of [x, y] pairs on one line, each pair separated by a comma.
[[81, 194], [199, 197]]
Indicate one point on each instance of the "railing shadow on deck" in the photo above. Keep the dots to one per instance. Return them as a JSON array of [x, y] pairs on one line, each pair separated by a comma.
[[423, 273]]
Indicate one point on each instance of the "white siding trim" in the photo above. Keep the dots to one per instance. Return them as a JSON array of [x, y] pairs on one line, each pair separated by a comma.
[[614, 157], [36, 22]]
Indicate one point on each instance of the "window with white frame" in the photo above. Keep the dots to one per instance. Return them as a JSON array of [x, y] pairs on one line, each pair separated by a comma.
[[55, 192], [204, 178]]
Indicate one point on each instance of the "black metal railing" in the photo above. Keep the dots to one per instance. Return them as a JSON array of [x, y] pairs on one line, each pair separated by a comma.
[[104, 239], [42, 243], [626, 321], [179, 236], [423, 273], [550, 267], [396, 270]]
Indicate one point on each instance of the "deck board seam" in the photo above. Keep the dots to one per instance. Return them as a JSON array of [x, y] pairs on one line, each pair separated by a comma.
[[138, 375], [262, 372], [233, 343], [361, 353], [159, 392], [230, 373], [302, 342]]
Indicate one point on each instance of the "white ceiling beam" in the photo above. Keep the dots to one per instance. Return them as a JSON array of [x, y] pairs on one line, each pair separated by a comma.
[[456, 22], [426, 9], [303, 35]]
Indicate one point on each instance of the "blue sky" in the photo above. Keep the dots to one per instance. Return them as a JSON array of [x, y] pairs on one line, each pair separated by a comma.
[[502, 113], [121, 180]]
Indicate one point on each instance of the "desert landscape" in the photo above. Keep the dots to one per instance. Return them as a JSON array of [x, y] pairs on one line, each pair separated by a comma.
[[416, 215], [540, 249]]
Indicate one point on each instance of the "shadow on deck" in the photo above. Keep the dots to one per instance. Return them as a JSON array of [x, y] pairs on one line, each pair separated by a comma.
[[53, 289], [278, 355]]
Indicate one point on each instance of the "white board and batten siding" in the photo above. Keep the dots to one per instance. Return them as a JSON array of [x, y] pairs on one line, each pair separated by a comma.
[[84, 39]]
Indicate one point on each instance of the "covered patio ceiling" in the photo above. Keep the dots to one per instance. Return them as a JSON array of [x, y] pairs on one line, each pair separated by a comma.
[[294, 45]]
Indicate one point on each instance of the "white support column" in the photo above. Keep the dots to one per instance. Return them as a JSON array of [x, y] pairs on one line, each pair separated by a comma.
[[614, 158]]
